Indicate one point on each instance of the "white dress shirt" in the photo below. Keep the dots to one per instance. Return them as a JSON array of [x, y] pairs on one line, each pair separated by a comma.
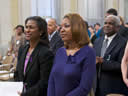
[[110, 38]]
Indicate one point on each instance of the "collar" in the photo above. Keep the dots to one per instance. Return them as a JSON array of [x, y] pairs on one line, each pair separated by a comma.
[[50, 36], [110, 37]]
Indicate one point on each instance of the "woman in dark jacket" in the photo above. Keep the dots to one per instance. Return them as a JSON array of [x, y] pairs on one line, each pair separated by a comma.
[[34, 59]]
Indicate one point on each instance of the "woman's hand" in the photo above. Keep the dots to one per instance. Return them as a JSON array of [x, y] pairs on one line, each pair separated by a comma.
[[126, 81], [99, 60]]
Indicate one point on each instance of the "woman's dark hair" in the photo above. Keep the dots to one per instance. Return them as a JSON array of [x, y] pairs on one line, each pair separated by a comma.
[[42, 25], [21, 26]]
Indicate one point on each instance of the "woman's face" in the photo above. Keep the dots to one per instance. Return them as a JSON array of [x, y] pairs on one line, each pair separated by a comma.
[[32, 31], [91, 30], [65, 31], [18, 30]]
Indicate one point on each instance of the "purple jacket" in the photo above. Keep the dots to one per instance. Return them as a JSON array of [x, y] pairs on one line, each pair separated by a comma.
[[72, 75]]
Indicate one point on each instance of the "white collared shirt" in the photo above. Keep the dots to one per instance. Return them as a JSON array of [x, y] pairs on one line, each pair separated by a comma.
[[50, 36], [110, 38]]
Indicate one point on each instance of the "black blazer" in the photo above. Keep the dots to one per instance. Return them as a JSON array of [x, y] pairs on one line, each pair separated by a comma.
[[56, 42], [37, 71], [109, 77]]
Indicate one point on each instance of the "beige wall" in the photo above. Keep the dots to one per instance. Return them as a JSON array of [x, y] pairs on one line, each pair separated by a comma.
[[5, 25], [15, 12], [24, 10]]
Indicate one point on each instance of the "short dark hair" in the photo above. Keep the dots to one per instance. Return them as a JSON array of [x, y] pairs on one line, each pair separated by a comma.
[[91, 27], [21, 26], [112, 11], [96, 24], [42, 25]]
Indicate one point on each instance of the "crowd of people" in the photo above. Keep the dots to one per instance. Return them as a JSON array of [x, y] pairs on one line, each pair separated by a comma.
[[71, 59]]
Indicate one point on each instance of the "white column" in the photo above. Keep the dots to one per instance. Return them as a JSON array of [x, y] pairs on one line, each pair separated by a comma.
[[34, 8], [62, 9], [66, 8], [24, 10], [56, 10], [82, 8], [126, 10], [5, 25], [91, 10], [108, 4], [121, 8]]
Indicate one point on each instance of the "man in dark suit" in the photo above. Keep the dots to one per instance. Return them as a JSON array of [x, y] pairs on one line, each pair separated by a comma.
[[123, 31], [109, 51], [54, 37]]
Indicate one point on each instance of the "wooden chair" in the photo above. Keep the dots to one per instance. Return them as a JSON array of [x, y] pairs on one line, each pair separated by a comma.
[[7, 76], [7, 60], [5, 67]]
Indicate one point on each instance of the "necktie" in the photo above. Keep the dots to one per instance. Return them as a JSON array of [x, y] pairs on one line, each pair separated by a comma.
[[104, 47], [49, 37]]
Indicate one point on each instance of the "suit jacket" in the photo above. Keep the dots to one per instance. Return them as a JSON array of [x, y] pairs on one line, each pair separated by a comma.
[[109, 77], [56, 42], [37, 72], [123, 32]]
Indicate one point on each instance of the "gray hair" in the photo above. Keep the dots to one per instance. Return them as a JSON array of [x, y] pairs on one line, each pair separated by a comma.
[[116, 19]]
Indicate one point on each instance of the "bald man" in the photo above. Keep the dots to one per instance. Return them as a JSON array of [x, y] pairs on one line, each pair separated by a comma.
[[54, 37]]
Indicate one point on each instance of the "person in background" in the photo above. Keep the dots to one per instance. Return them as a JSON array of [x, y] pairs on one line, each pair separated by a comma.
[[54, 37], [17, 40], [74, 65], [86, 23], [123, 31], [93, 35], [109, 52], [97, 29], [35, 61]]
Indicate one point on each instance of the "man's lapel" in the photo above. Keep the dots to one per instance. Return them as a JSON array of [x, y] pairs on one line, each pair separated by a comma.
[[113, 43]]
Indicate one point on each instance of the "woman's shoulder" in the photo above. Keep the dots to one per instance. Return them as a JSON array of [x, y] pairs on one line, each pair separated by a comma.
[[60, 50], [86, 51], [44, 50]]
